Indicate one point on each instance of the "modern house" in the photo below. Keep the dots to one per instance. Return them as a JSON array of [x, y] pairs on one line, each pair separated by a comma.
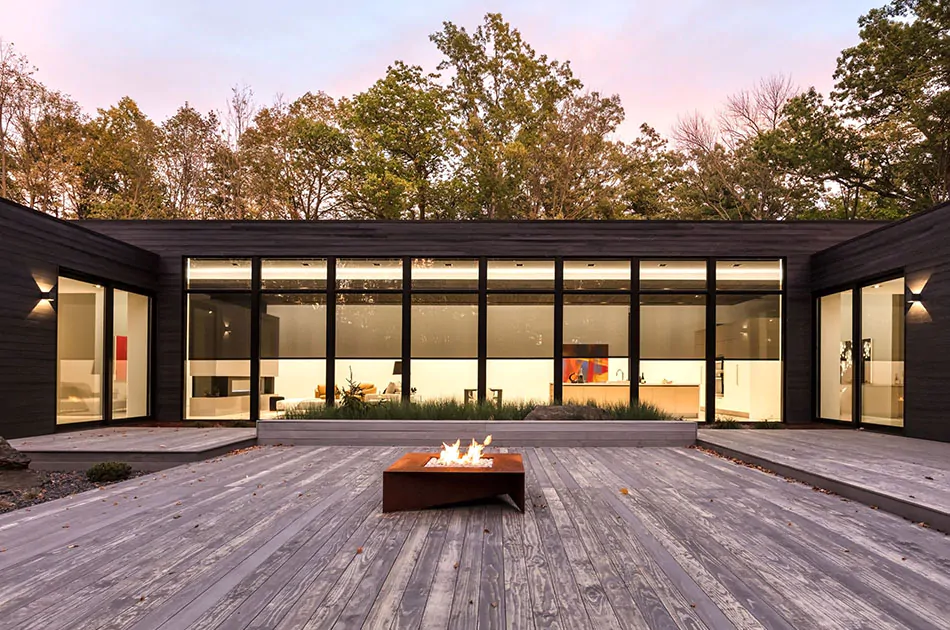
[[847, 322]]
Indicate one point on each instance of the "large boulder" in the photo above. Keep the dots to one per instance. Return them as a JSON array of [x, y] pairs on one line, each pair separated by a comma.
[[567, 412], [10, 458]]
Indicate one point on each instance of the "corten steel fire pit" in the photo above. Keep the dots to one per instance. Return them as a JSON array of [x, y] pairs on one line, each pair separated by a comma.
[[410, 485]]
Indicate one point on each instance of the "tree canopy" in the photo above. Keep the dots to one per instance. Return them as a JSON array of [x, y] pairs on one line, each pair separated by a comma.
[[499, 130]]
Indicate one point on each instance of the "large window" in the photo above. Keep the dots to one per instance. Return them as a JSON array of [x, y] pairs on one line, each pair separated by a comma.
[[836, 356], [595, 365], [748, 356], [444, 346], [92, 368], [882, 353], [508, 330], [673, 352], [130, 332], [293, 351], [520, 331], [218, 366], [369, 326], [80, 327]]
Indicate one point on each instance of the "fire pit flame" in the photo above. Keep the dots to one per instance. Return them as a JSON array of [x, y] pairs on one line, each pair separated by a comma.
[[471, 459]]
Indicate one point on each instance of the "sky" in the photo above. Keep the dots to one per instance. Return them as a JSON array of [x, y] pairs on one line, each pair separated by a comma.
[[666, 59]]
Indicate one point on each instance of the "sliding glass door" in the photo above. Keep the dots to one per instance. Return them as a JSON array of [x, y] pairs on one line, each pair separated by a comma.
[[102, 352], [861, 345]]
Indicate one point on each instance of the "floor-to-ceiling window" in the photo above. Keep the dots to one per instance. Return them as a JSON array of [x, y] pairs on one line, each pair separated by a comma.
[[520, 330], [79, 362], [369, 324], [130, 354], [749, 340], [293, 334], [835, 356], [882, 353], [506, 330], [102, 353], [218, 348], [595, 365], [444, 325], [673, 305]]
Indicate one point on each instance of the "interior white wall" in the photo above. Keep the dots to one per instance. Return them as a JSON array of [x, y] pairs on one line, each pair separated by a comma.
[[753, 388], [521, 380], [436, 379], [368, 330], [672, 331], [297, 378], [131, 320]]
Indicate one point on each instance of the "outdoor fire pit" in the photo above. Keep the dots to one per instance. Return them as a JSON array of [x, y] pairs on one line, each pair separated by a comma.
[[424, 480]]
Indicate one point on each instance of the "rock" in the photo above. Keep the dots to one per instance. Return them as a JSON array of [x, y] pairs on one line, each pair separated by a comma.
[[10, 458], [567, 412]]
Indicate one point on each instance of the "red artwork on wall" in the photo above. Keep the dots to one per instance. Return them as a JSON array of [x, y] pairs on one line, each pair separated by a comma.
[[121, 358]]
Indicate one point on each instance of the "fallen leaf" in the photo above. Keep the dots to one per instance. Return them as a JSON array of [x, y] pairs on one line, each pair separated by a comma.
[[487, 531], [494, 604], [177, 516], [142, 598], [72, 546], [903, 559], [359, 550], [624, 491], [929, 478], [455, 566]]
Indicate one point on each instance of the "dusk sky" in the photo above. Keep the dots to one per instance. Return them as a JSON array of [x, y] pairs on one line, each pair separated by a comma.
[[665, 59]]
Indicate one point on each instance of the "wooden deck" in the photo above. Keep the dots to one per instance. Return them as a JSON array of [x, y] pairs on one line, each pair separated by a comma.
[[144, 448], [905, 476], [293, 537]]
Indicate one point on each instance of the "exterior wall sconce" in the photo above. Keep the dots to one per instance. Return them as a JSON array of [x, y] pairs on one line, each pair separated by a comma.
[[914, 298], [50, 296]]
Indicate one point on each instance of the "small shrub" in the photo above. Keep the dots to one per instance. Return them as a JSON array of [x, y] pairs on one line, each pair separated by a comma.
[[105, 472], [768, 424]]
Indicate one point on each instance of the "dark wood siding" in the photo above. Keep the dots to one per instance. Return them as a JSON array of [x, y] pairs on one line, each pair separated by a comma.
[[796, 241], [33, 249], [919, 248]]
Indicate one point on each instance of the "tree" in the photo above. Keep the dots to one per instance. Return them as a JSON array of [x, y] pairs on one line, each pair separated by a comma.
[[50, 135], [732, 171], [15, 84], [650, 175], [118, 167], [296, 155], [186, 143], [503, 95], [571, 171], [895, 86], [403, 144]]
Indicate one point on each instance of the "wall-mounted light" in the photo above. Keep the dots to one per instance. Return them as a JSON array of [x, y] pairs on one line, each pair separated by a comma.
[[49, 296], [914, 298]]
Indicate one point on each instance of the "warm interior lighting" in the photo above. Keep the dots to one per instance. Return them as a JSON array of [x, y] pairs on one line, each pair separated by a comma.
[[451, 457]]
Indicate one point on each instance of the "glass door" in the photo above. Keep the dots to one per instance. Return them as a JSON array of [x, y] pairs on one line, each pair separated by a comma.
[[882, 353]]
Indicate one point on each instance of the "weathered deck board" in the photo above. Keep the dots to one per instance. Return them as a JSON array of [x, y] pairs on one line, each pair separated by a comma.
[[143, 448], [293, 537], [905, 476]]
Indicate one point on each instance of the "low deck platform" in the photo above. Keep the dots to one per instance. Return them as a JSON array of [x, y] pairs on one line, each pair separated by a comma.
[[293, 537], [908, 477], [143, 448], [503, 432]]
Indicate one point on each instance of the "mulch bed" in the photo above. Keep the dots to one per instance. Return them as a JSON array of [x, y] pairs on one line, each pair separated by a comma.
[[23, 488]]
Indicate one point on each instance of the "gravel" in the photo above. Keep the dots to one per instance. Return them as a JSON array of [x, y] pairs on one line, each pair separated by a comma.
[[20, 489]]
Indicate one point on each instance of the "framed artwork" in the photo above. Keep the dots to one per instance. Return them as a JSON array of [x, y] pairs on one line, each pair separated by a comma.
[[846, 363]]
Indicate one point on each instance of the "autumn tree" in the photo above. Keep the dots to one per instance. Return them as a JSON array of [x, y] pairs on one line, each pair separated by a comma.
[[118, 167], [296, 154], [187, 143], [15, 85], [403, 145]]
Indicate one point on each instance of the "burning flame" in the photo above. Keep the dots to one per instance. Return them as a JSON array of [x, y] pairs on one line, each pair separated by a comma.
[[472, 458]]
